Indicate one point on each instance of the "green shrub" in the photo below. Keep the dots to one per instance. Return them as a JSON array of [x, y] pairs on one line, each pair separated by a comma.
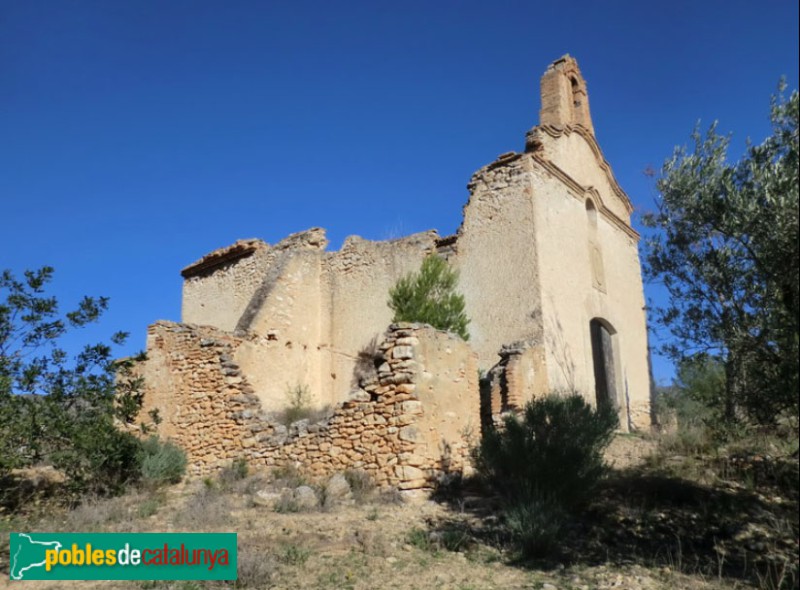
[[454, 538], [150, 505], [554, 449], [535, 524], [162, 462], [420, 538], [292, 554], [544, 464], [100, 460], [430, 297]]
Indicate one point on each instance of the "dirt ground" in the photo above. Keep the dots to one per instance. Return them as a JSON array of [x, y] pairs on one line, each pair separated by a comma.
[[369, 541]]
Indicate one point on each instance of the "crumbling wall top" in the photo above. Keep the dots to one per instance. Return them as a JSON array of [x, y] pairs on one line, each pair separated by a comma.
[[212, 260], [310, 239]]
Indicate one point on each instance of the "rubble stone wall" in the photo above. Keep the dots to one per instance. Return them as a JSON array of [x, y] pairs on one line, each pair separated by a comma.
[[354, 311], [413, 418], [519, 377]]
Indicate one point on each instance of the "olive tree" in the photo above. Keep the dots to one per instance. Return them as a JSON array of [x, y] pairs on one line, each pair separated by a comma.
[[725, 248], [61, 410]]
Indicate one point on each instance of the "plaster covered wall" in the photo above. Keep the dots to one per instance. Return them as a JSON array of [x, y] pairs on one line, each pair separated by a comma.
[[574, 294], [496, 257], [321, 307], [223, 284], [560, 236]]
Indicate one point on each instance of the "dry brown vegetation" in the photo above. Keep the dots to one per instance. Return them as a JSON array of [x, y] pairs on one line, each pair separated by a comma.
[[671, 520]]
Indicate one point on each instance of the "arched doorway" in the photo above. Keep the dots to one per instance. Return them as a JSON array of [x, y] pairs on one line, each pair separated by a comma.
[[605, 381]]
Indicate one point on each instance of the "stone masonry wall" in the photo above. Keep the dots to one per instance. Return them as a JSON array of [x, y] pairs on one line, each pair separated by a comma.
[[202, 398], [408, 423], [518, 378]]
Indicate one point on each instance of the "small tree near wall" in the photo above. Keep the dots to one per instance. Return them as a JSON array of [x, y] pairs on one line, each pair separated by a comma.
[[430, 297]]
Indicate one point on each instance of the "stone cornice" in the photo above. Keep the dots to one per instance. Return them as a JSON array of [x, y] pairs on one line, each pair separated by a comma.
[[566, 130], [580, 192]]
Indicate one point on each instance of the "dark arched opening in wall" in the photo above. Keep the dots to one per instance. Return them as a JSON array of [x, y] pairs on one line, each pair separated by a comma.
[[605, 381], [576, 98], [591, 214]]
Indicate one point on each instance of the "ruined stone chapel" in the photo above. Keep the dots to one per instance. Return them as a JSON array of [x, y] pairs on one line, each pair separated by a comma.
[[550, 272]]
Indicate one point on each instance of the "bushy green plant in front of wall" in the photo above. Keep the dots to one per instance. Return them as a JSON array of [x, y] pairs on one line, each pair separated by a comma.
[[544, 464], [555, 447], [162, 462], [430, 297]]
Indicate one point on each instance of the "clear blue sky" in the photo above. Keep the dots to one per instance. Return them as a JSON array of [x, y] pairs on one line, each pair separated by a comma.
[[135, 136]]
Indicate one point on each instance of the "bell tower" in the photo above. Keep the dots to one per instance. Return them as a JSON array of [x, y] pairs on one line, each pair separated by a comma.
[[564, 97]]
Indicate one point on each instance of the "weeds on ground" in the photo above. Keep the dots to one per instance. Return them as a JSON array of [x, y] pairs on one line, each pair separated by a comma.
[[236, 471], [207, 509], [449, 538], [371, 542], [454, 538], [419, 538], [293, 554], [286, 504], [255, 568], [96, 514], [390, 496], [287, 476], [344, 572], [150, 504], [361, 485]]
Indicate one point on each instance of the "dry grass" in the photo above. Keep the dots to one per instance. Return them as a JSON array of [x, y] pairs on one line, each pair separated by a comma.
[[646, 532], [207, 509]]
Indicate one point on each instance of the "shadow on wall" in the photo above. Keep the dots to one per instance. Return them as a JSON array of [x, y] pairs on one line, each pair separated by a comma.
[[562, 352], [368, 360]]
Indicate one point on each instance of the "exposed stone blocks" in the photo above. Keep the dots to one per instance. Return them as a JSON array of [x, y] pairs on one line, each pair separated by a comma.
[[565, 100], [518, 378], [383, 429]]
